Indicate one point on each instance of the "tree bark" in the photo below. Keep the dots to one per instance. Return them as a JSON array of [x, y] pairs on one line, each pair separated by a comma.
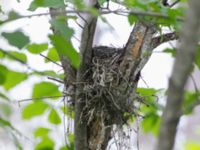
[[181, 70], [80, 129]]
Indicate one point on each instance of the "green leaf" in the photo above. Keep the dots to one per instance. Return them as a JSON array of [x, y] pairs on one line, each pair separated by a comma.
[[45, 144], [37, 48], [46, 3], [71, 138], [147, 91], [4, 123], [34, 109], [170, 51], [63, 148], [197, 59], [45, 89], [50, 73], [60, 25], [47, 73], [101, 2], [191, 99], [65, 48], [191, 145], [41, 132], [3, 74], [2, 55], [69, 146], [5, 109], [19, 56], [53, 55], [17, 38], [132, 19], [54, 118], [68, 111], [13, 15], [13, 78], [151, 123]]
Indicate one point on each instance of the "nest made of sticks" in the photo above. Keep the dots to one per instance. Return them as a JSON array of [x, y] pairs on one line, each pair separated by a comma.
[[104, 94]]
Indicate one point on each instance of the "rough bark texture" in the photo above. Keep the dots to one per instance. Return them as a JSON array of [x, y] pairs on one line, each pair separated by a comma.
[[181, 70], [80, 130]]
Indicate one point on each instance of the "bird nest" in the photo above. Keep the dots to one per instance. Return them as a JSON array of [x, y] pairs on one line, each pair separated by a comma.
[[108, 94]]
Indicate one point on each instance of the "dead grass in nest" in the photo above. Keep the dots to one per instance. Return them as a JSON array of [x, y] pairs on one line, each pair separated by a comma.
[[105, 93]]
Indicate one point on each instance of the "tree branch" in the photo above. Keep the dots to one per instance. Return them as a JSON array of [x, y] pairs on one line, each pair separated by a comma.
[[22, 62], [174, 3], [165, 2], [102, 12], [156, 41], [181, 70], [80, 130], [137, 50]]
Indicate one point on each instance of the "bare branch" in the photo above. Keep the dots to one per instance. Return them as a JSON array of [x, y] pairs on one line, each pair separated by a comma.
[[57, 80], [185, 55], [50, 60], [174, 3], [38, 98], [156, 41]]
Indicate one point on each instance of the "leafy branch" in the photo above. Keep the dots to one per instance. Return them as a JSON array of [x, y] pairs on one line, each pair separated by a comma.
[[101, 12]]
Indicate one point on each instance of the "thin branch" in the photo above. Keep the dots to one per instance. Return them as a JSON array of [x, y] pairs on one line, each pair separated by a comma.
[[78, 24], [21, 62], [13, 57], [64, 124], [38, 98], [102, 12], [174, 3], [50, 60], [57, 80], [156, 41], [194, 83]]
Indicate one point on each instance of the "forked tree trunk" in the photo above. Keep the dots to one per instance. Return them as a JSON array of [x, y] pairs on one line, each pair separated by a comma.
[[106, 81]]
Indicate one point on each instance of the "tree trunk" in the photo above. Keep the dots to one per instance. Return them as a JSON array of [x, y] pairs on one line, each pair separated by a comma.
[[181, 70]]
